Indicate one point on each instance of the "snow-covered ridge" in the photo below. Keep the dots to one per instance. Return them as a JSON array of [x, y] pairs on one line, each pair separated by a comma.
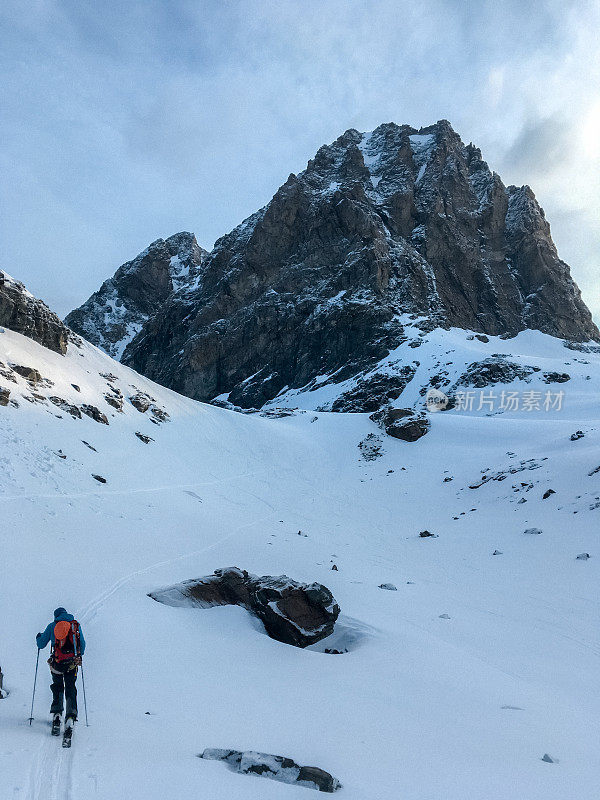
[[165, 270]]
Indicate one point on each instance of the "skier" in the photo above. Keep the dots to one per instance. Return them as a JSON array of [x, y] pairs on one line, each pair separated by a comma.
[[68, 645]]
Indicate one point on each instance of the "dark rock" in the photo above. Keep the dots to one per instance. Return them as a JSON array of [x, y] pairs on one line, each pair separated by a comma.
[[94, 413], [548, 759], [293, 613], [29, 373], [427, 534], [583, 556], [316, 778], [548, 493], [138, 289], [594, 471], [482, 338], [334, 568], [87, 444], [68, 407], [6, 372], [577, 435], [115, 401], [159, 414], [23, 313], [494, 370], [401, 423], [389, 586], [556, 377], [497, 553], [533, 531], [397, 221], [277, 768], [4, 395], [141, 401], [99, 478], [144, 438], [373, 392], [77, 388]]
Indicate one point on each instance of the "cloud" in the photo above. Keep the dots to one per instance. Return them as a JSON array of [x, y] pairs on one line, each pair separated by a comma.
[[540, 145], [127, 121]]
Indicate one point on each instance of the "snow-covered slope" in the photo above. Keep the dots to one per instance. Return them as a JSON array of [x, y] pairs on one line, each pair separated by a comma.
[[454, 686]]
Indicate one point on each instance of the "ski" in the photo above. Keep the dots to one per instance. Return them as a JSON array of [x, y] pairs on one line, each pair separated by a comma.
[[55, 725], [68, 733]]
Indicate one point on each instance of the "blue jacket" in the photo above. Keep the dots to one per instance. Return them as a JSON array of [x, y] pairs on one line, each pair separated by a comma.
[[42, 639]]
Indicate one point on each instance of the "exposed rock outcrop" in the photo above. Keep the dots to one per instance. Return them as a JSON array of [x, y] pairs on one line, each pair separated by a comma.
[[295, 613], [374, 391], [496, 369], [312, 287], [402, 423], [124, 303], [94, 413], [20, 311]]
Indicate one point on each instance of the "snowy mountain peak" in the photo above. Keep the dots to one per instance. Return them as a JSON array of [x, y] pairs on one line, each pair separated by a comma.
[[114, 315], [382, 225]]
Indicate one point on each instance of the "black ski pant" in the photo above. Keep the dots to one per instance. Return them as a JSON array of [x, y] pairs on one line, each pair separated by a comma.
[[63, 685]]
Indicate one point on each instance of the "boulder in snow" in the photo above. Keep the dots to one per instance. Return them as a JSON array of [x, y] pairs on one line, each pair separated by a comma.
[[94, 413], [64, 406], [556, 377], [277, 768], [583, 556], [402, 423], [294, 613], [4, 395], [29, 373]]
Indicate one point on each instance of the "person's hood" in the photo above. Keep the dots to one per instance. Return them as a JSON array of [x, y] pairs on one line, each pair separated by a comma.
[[61, 615]]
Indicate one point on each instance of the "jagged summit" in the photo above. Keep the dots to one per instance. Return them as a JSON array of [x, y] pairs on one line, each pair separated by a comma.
[[398, 221], [118, 310]]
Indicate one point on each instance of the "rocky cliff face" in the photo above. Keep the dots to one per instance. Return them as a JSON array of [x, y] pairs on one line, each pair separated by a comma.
[[22, 312], [380, 225], [119, 309]]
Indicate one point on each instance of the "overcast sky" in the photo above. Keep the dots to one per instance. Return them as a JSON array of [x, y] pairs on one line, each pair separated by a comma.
[[126, 121]]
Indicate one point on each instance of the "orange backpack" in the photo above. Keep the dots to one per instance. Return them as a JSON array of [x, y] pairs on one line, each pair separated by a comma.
[[66, 641]]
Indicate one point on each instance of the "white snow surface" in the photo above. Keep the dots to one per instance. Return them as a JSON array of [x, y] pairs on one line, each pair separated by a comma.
[[422, 706]]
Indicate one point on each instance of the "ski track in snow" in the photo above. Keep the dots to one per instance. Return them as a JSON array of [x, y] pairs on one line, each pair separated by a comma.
[[520, 632], [50, 777], [52, 773]]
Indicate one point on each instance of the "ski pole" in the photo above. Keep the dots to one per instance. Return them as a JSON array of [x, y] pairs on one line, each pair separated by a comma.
[[84, 700], [37, 661]]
